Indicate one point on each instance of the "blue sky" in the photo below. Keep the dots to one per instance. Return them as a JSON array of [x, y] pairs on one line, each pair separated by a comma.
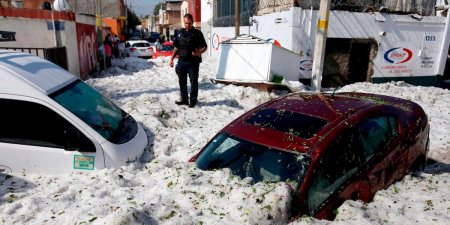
[[143, 7]]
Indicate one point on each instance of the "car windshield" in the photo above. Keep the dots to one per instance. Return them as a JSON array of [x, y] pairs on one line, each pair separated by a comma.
[[167, 48], [246, 159], [98, 112]]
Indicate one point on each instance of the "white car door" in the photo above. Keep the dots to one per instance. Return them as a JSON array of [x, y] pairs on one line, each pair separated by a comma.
[[34, 138]]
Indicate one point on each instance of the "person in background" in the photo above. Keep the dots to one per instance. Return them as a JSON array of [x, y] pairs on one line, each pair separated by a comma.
[[121, 46], [157, 44], [101, 57], [189, 45], [115, 46], [107, 45]]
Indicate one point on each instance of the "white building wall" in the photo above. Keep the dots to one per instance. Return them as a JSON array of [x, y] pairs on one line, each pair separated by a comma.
[[206, 10], [277, 26], [69, 39], [28, 29], [26, 32], [295, 30], [183, 11], [422, 37], [161, 16]]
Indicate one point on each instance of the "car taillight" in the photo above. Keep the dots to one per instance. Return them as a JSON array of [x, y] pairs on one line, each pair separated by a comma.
[[150, 49], [133, 49]]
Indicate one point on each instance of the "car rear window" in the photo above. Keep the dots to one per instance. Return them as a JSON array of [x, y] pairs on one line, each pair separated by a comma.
[[300, 125], [141, 45]]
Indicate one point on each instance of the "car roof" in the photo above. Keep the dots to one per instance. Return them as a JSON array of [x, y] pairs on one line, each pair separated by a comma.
[[134, 38], [321, 113], [23, 73], [137, 41]]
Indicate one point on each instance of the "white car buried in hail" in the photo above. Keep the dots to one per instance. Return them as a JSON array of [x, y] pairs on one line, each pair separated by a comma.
[[52, 122], [139, 48]]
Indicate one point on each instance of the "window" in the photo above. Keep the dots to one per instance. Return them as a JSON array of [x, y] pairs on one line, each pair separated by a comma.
[[167, 48], [102, 115], [338, 164], [346, 154], [376, 134], [28, 123], [246, 159], [224, 13]]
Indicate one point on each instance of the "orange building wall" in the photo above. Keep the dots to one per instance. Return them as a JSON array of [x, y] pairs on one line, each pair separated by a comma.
[[115, 26]]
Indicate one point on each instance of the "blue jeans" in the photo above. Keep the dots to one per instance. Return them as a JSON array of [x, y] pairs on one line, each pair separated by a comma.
[[183, 69]]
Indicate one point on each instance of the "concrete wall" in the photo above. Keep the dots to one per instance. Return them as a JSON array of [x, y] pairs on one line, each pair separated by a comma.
[[69, 39], [30, 33], [87, 39], [37, 33]]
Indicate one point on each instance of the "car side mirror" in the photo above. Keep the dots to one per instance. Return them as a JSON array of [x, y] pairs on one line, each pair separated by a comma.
[[72, 139]]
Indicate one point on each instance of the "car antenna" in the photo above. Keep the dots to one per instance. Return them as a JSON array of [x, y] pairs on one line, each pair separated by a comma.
[[332, 95]]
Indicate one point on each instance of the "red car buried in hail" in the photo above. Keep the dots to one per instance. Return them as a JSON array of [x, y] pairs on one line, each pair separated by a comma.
[[328, 147], [166, 50]]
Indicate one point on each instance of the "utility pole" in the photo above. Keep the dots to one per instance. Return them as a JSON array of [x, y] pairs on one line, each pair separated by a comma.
[[237, 17], [99, 21], [54, 27], [319, 48], [444, 48]]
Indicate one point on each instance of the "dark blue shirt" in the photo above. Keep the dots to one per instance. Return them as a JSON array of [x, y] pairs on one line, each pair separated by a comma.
[[187, 41]]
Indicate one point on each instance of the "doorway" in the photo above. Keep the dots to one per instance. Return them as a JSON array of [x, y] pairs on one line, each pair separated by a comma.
[[348, 61]]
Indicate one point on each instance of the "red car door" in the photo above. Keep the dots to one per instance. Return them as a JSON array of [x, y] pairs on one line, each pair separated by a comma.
[[346, 158]]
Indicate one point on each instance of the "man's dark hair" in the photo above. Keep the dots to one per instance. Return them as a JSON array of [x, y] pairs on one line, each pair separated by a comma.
[[189, 16]]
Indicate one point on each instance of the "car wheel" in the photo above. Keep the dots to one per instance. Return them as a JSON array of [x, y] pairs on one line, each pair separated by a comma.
[[418, 166]]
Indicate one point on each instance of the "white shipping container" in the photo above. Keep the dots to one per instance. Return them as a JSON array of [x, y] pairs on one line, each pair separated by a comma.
[[250, 59]]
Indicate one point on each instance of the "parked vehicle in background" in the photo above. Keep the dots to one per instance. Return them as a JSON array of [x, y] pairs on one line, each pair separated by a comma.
[[153, 36], [139, 48], [54, 123], [134, 38], [136, 35], [329, 148], [165, 50]]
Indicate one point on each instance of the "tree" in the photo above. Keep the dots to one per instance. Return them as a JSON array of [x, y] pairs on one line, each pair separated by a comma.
[[132, 19], [157, 7]]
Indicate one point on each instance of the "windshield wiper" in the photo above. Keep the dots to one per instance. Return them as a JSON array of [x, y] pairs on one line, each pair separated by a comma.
[[122, 125], [124, 121]]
